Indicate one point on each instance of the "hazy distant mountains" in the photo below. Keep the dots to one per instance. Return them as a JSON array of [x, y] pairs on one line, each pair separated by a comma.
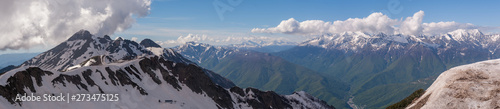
[[264, 46], [15, 58]]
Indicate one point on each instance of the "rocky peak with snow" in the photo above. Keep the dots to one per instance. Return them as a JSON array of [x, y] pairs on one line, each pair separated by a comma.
[[82, 34], [141, 77], [193, 51], [356, 41], [473, 86], [82, 46]]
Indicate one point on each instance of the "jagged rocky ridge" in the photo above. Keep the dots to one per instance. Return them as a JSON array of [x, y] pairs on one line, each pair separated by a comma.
[[455, 44], [142, 75]]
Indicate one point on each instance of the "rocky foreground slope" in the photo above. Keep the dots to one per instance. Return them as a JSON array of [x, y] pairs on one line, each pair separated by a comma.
[[473, 86]]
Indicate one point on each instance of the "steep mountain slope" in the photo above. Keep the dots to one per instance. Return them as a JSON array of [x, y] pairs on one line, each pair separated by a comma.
[[373, 63], [264, 71], [469, 86], [141, 80]]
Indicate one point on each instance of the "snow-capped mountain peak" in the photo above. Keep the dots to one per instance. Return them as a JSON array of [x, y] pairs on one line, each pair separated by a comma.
[[356, 41], [465, 34], [82, 46]]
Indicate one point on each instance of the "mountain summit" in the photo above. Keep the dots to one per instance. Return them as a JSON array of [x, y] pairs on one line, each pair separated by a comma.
[[138, 77]]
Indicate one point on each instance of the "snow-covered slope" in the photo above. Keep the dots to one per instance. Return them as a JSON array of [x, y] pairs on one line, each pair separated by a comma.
[[143, 77], [473, 86]]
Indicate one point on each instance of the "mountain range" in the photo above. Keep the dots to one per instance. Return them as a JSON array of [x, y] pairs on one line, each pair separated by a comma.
[[347, 70], [379, 69], [382, 69], [264, 71], [142, 74]]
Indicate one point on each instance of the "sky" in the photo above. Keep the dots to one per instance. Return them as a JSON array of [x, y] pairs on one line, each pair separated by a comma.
[[218, 22]]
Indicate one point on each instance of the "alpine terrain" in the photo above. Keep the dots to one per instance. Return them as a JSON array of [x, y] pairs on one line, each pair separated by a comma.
[[473, 86], [383, 69], [264, 71], [143, 75]]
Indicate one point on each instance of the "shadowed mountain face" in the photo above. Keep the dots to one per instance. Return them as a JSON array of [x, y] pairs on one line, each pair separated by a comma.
[[141, 75], [149, 43], [265, 71]]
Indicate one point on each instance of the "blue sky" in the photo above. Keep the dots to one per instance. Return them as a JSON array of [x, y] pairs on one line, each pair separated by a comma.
[[182, 17], [173, 22]]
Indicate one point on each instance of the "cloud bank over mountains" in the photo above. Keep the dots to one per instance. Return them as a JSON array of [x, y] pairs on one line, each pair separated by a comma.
[[217, 40], [28, 23], [374, 23]]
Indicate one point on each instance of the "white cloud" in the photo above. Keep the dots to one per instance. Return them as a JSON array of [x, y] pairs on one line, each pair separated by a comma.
[[412, 25], [374, 23], [26, 23]]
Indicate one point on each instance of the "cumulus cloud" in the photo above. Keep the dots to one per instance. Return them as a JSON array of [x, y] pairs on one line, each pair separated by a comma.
[[26, 23], [374, 23], [412, 25]]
